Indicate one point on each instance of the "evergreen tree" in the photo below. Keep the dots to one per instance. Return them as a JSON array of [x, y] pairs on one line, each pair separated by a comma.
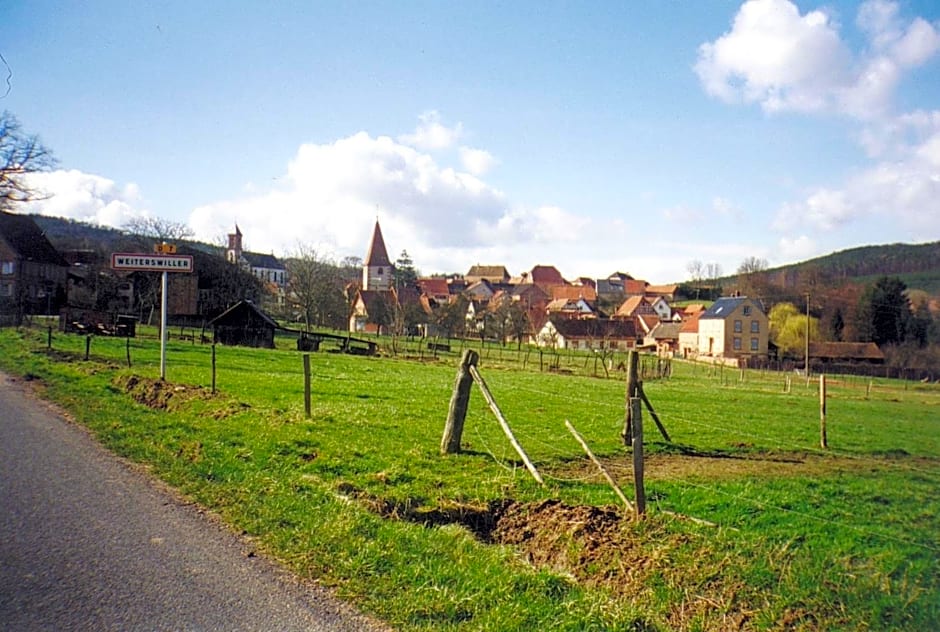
[[884, 312]]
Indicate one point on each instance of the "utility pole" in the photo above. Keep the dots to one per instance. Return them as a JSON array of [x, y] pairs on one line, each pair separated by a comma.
[[806, 349]]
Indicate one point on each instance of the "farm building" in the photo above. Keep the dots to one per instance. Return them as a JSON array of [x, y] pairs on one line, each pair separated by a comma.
[[244, 324], [846, 352], [587, 333]]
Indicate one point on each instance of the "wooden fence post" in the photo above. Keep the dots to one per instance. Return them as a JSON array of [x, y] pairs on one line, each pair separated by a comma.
[[822, 412], [127, 350], [459, 399], [49, 338], [307, 385], [87, 345], [213, 368], [636, 407], [632, 360]]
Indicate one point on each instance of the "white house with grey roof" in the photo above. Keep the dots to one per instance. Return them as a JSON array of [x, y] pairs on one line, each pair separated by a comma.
[[734, 327]]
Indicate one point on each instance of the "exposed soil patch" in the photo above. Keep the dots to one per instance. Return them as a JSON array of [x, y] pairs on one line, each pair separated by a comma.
[[595, 546], [721, 465], [159, 394]]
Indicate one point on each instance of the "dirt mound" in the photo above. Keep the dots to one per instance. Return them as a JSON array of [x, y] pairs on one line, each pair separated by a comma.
[[159, 394]]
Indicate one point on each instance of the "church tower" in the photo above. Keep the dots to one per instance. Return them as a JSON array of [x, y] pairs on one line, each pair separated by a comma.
[[377, 269], [234, 252]]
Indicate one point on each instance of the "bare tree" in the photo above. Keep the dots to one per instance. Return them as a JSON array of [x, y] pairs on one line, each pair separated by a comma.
[[158, 228], [696, 270], [20, 155], [315, 288], [713, 271], [752, 280], [752, 264]]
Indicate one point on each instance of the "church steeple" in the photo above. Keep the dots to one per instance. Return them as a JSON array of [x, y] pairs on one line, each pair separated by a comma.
[[377, 268], [234, 252]]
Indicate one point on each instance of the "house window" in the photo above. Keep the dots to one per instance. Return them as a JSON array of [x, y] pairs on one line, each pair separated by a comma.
[[738, 328], [746, 310], [755, 327], [380, 271], [6, 267], [737, 343], [6, 289], [754, 344]]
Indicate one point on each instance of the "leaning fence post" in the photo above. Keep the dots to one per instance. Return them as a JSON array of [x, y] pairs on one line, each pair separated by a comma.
[[505, 424], [636, 407], [457, 413], [600, 466]]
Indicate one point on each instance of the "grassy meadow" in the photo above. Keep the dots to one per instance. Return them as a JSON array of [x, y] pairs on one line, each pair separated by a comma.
[[750, 524]]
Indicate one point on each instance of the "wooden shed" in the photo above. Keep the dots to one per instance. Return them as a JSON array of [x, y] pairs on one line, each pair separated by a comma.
[[244, 324]]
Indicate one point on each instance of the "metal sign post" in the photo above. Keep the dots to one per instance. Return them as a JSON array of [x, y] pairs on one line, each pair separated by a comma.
[[166, 261], [163, 284]]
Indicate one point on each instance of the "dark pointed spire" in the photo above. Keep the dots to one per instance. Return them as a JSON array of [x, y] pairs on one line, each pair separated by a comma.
[[377, 255]]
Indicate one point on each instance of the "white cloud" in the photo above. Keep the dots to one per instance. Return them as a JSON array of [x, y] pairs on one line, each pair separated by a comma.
[[86, 197], [776, 57], [783, 60], [797, 249], [725, 208], [447, 219], [431, 134], [476, 161], [901, 192]]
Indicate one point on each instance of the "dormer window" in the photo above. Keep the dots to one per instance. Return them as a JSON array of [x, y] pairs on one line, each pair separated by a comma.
[[747, 310]]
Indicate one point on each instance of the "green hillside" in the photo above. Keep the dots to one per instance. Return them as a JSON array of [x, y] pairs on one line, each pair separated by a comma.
[[918, 265]]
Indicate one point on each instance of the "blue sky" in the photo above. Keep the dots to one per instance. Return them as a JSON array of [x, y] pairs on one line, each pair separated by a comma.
[[593, 136]]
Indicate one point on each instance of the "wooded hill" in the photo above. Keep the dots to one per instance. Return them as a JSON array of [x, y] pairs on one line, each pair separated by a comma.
[[917, 265]]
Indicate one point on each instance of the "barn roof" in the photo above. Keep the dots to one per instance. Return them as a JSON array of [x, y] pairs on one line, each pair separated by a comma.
[[595, 328], [23, 235], [846, 351], [243, 309]]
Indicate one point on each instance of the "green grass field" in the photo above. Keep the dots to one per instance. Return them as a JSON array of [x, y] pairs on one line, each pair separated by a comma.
[[358, 497]]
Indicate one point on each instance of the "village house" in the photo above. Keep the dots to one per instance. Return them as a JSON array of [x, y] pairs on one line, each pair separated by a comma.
[[492, 274], [570, 308], [688, 335], [588, 333], [664, 338], [33, 275], [733, 328]]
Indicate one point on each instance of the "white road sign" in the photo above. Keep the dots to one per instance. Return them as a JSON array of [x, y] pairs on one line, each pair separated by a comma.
[[151, 263]]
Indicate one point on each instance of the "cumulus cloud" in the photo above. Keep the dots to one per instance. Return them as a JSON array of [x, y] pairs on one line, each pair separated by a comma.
[[431, 134], [86, 197], [333, 192], [476, 161], [899, 192], [446, 218], [784, 60], [796, 249], [776, 57]]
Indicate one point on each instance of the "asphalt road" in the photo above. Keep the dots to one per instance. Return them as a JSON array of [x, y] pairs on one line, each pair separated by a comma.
[[87, 542]]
